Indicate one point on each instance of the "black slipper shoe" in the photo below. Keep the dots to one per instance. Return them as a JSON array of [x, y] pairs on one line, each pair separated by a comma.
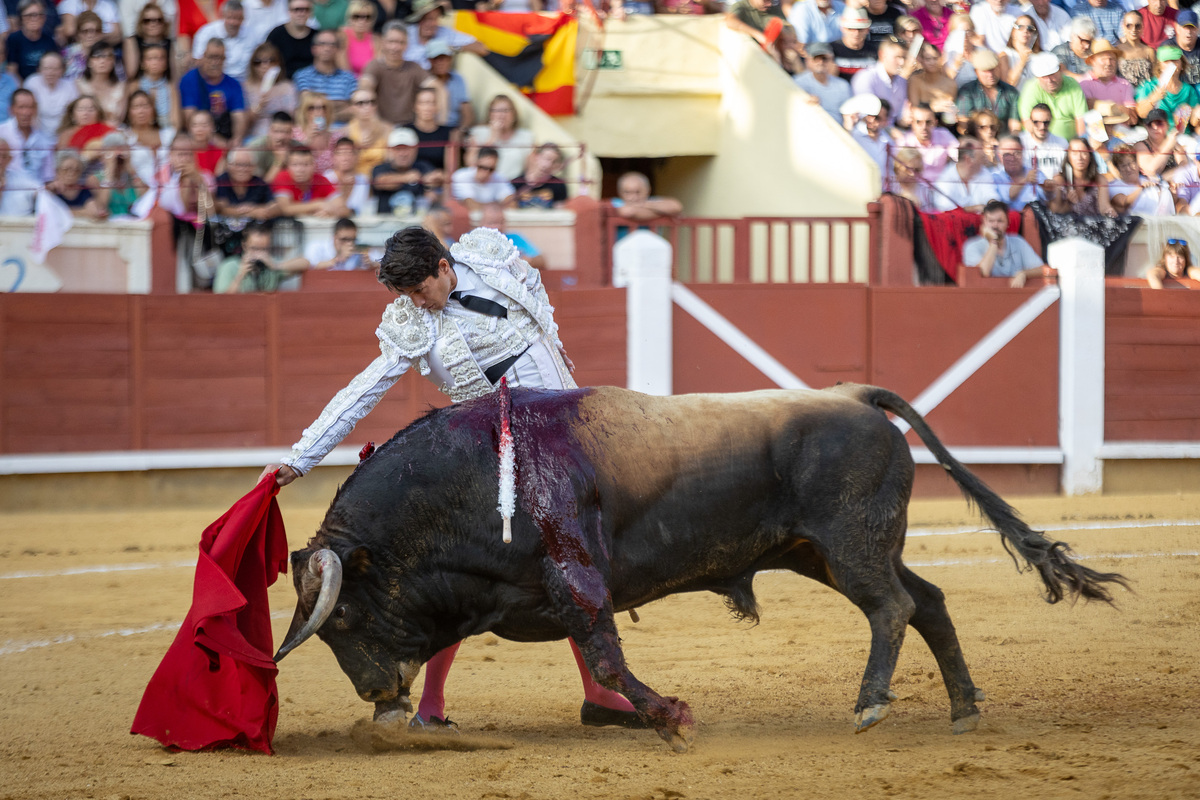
[[598, 716]]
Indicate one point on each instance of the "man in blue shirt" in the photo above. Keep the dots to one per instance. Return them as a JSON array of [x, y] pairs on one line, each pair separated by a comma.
[[325, 78], [208, 88]]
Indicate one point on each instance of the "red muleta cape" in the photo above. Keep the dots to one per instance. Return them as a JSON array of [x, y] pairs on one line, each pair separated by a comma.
[[215, 687]]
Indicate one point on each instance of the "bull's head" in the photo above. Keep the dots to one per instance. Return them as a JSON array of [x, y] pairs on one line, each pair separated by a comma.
[[344, 617]]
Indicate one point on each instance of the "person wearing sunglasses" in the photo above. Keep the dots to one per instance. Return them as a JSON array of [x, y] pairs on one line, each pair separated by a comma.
[[238, 39], [267, 90], [361, 42], [151, 28], [209, 88], [1053, 23], [1023, 45], [106, 10], [26, 45], [324, 77], [294, 38], [1073, 53]]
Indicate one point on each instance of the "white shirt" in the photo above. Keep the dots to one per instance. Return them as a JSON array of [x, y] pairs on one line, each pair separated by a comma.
[[35, 154], [1054, 32], [953, 193], [994, 27], [1154, 201], [263, 16], [1050, 153], [19, 194], [466, 187], [107, 10], [51, 103], [238, 49]]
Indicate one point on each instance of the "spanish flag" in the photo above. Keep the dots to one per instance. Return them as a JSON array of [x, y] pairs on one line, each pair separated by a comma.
[[535, 52]]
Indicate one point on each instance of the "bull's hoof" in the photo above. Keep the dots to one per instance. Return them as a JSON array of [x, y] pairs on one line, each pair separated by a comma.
[[871, 716], [980, 695], [392, 712], [679, 741], [965, 724]]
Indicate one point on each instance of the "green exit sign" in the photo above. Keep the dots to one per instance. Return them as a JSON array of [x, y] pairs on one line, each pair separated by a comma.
[[603, 59]]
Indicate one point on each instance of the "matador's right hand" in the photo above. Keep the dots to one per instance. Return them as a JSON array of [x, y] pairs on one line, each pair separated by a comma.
[[283, 474]]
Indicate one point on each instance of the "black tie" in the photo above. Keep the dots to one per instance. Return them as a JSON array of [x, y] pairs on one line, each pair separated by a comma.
[[479, 305]]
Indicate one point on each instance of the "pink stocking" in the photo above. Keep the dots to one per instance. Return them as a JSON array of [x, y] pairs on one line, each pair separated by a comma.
[[591, 690], [433, 698]]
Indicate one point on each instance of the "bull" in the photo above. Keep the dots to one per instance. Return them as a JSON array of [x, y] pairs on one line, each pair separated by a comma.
[[622, 499]]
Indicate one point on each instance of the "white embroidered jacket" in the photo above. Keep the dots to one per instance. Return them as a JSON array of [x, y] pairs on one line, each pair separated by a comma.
[[409, 335]]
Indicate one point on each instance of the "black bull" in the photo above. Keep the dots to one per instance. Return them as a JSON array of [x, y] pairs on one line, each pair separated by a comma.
[[622, 499]]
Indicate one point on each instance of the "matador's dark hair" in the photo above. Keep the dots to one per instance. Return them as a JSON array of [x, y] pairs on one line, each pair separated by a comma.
[[411, 256]]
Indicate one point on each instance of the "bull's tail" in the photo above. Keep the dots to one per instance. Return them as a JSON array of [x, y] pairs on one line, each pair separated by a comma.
[[1061, 575]]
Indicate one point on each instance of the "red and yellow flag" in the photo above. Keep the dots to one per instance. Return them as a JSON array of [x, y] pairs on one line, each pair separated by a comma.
[[535, 52]]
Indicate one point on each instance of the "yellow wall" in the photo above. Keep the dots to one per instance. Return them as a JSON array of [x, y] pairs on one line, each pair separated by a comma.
[[778, 155], [664, 99]]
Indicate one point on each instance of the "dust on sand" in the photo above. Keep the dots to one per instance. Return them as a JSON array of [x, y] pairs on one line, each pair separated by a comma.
[[1085, 701]]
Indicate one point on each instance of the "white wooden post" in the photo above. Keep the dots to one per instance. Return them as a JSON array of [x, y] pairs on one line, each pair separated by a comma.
[[642, 264], [1080, 266]]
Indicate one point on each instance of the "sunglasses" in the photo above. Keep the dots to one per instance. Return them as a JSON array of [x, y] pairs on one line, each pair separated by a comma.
[[360, 16], [300, 9], [153, 19], [1025, 27], [1180, 242], [1040, 121]]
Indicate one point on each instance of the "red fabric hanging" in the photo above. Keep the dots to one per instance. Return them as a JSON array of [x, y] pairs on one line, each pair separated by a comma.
[[215, 687], [948, 230]]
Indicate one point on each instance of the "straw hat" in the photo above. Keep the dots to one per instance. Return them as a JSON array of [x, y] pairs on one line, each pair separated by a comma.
[[1112, 113], [1101, 46]]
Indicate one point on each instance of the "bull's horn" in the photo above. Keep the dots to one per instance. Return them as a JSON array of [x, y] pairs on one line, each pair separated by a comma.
[[327, 565]]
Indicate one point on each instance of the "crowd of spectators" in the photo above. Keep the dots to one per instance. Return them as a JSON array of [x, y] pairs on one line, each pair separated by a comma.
[[1086, 108], [258, 109], [241, 112]]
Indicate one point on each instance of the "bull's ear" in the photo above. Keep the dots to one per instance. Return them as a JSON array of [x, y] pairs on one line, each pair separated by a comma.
[[357, 562]]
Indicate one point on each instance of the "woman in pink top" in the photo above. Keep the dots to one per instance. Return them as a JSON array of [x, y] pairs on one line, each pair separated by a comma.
[[935, 22], [362, 43]]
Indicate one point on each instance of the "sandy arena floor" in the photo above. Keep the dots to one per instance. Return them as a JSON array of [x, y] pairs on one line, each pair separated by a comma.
[[1089, 702]]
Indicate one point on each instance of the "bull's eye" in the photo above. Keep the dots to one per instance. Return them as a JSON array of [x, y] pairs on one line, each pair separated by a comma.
[[340, 612]]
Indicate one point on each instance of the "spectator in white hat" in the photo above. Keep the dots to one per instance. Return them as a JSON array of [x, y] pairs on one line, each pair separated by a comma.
[[854, 51], [1060, 93]]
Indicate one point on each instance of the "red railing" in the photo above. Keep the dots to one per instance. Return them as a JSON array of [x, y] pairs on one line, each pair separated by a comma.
[[762, 249]]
